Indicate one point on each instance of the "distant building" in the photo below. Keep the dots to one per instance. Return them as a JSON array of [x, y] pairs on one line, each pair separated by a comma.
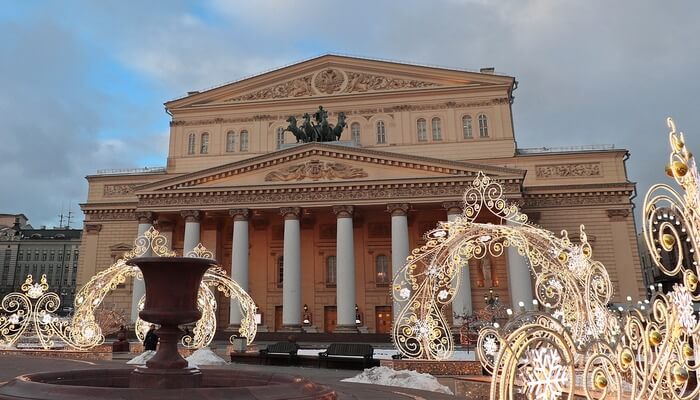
[[50, 252]]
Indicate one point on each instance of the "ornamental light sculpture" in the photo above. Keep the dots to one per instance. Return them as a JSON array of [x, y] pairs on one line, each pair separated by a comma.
[[654, 355], [567, 279]]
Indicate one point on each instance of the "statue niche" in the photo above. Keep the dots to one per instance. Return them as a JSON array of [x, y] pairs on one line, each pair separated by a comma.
[[320, 131]]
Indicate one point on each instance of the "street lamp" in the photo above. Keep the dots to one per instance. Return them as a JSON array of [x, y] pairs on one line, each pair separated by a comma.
[[491, 299]]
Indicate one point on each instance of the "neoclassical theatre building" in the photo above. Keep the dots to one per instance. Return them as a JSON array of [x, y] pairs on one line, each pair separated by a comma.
[[314, 231]]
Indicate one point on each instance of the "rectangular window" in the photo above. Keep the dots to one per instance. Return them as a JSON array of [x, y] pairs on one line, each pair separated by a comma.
[[52, 255], [20, 256], [244, 140], [331, 271]]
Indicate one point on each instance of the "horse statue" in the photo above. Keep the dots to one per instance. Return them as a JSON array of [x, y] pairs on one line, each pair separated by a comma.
[[338, 128], [312, 134], [296, 131]]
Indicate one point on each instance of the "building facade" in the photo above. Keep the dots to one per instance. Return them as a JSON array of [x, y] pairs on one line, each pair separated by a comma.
[[52, 252], [315, 231]]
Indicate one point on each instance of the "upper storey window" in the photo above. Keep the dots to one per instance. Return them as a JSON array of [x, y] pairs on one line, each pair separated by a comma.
[[467, 127], [280, 137], [244, 140], [483, 126], [190, 143], [422, 127], [230, 142], [437, 129], [381, 132], [204, 147], [355, 132]]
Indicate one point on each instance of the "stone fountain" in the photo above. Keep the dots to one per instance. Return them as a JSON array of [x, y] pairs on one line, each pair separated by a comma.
[[171, 299]]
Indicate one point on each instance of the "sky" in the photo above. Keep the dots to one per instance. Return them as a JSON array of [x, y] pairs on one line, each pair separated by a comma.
[[82, 83]]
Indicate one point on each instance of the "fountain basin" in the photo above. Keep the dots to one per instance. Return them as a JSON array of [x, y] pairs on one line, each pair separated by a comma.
[[113, 384]]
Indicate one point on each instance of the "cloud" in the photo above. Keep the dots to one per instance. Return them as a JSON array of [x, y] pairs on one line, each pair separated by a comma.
[[590, 72]]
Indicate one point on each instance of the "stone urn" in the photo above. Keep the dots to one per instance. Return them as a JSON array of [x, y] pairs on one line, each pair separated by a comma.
[[172, 284]]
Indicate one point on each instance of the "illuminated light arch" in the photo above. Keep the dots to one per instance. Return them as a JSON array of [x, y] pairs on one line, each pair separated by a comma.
[[93, 293], [567, 280]]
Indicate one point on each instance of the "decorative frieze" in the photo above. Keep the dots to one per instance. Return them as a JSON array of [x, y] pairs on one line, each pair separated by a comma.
[[316, 170], [295, 88], [575, 200], [618, 214], [348, 194], [110, 215], [567, 170], [329, 81], [363, 82], [118, 190]]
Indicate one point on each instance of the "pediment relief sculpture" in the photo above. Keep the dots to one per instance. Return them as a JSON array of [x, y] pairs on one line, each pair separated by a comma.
[[315, 170], [332, 81]]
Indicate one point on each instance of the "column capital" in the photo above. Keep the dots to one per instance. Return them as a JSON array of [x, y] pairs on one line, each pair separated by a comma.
[[91, 228], [453, 207], [239, 214], [191, 215], [343, 211], [398, 209], [144, 217], [290, 212]]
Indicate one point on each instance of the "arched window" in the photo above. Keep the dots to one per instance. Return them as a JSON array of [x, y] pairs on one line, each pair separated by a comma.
[[381, 267], [244, 140], [331, 270], [483, 126], [422, 128], [381, 133], [190, 143], [204, 146], [230, 142], [280, 271], [437, 129], [467, 126], [280, 137], [355, 132]]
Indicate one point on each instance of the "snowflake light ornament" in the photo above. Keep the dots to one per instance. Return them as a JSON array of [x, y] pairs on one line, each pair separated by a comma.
[[405, 293], [544, 376], [490, 346], [442, 295], [684, 305]]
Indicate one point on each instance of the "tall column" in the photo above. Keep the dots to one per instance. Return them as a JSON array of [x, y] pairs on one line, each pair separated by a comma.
[[145, 219], [291, 274], [239, 260], [191, 230], [462, 303], [345, 270], [519, 277], [399, 244]]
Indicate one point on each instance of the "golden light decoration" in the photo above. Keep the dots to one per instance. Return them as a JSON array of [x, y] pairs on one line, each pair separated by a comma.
[[32, 311], [566, 278], [654, 356], [215, 278]]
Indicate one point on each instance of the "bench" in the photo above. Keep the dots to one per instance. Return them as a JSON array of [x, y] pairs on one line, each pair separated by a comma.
[[348, 352], [281, 350]]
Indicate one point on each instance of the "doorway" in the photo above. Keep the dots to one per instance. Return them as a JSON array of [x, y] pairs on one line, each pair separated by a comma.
[[278, 318], [329, 318], [383, 319]]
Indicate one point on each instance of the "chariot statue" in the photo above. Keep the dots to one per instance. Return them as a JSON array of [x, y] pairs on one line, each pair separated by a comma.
[[320, 131]]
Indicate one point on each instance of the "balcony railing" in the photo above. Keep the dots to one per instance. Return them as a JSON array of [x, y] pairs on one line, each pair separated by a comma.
[[590, 147], [131, 171]]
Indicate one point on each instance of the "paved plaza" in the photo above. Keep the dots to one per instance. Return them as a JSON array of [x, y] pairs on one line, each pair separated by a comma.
[[12, 366]]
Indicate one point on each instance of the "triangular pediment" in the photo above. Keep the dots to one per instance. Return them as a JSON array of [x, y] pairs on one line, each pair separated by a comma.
[[337, 75], [322, 164]]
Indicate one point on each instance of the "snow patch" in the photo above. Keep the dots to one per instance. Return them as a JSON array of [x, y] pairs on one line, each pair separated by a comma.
[[142, 358], [205, 356], [404, 378]]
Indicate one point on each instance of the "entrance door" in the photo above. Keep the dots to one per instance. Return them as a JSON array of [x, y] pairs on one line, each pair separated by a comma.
[[383, 319], [278, 318], [329, 318]]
